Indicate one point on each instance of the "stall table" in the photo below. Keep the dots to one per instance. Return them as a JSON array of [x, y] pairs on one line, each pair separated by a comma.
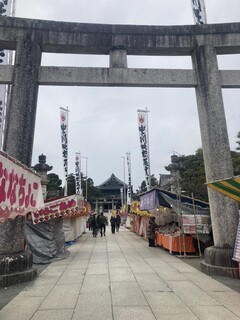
[[180, 243]]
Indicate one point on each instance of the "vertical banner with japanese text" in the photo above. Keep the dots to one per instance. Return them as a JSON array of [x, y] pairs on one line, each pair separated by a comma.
[[121, 194], [129, 189], [144, 144], [6, 9], [78, 173], [199, 11], [64, 141]]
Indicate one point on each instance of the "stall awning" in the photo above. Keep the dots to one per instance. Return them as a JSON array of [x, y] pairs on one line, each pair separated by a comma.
[[158, 197], [66, 207], [229, 187]]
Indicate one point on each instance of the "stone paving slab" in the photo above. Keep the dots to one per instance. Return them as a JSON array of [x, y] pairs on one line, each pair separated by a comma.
[[118, 277], [60, 314]]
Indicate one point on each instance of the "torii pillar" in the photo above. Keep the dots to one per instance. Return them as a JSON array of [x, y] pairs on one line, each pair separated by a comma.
[[15, 264], [217, 160]]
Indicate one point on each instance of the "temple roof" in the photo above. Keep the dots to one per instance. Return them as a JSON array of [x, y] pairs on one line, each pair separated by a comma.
[[112, 183]]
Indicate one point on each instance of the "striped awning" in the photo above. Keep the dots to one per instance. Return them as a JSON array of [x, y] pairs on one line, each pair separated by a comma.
[[229, 187]]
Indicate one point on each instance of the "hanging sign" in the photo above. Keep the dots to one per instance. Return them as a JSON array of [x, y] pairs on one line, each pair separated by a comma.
[[78, 173], [20, 189], [143, 134], [129, 190], [64, 140]]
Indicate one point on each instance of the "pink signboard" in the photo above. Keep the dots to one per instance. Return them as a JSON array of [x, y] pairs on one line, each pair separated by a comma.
[[20, 189]]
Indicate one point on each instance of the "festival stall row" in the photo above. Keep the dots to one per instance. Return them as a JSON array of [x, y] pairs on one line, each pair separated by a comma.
[[183, 221], [21, 194], [61, 220], [137, 220], [73, 209]]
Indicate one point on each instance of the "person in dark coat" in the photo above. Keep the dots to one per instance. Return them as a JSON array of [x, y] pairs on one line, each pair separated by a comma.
[[118, 222], [94, 225], [89, 222], [113, 224], [151, 228], [102, 224]]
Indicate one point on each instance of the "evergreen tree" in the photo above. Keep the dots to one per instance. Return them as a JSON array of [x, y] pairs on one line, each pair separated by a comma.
[[143, 186], [54, 188], [71, 184]]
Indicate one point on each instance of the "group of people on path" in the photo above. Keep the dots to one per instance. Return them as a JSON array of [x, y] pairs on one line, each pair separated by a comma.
[[99, 222], [96, 223], [115, 222]]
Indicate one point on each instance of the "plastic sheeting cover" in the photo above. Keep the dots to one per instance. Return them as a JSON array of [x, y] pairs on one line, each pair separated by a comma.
[[46, 241]]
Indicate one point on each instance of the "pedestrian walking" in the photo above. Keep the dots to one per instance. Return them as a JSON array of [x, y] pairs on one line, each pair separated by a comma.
[[118, 222], [102, 224], [94, 226], [151, 228], [113, 223], [89, 222]]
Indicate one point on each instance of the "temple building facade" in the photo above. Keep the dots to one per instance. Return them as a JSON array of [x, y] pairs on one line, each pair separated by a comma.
[[113, 192]]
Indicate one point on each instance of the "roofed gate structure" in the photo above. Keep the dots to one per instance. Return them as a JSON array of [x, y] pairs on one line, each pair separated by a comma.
[[111, 193], [30, 38]]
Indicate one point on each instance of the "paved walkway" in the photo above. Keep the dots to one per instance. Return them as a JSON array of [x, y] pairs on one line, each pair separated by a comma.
[[118, 277]]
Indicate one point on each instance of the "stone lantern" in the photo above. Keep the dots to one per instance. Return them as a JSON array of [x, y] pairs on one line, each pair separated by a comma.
[[41, 169], [174, 167]]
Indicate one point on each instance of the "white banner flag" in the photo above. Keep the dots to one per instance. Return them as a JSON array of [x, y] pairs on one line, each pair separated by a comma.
[[199, 11], [129, 190], [144, 144], [64, 140], [78, 173]]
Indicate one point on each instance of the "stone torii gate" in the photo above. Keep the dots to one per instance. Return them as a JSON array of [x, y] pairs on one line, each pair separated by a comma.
[[30, 38]]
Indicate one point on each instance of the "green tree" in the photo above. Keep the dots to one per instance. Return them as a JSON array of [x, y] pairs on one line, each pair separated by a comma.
[[192, 175], [236, 162], [92, 192], [54, 186], [71, 184], [143, 186], [192, 172]]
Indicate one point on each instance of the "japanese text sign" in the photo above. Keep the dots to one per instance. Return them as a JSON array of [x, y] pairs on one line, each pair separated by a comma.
[[20, 189]]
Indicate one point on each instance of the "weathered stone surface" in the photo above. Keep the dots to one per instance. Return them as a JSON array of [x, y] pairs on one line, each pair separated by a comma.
[[12, 235], [18, 277], [86, 38], [218, 261], [215, 143], [220, 257], [13, 263], [21, 113]]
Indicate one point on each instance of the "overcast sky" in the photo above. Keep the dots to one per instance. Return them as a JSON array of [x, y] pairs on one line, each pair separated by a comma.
[[103, 121]]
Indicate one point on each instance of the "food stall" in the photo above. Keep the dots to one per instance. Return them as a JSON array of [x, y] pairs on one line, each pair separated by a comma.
[[61, 220], [180, 220]]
